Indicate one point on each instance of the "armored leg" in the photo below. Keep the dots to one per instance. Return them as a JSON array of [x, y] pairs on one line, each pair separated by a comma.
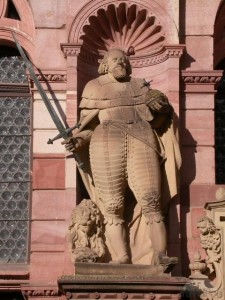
[[144, 179], [107, 156]]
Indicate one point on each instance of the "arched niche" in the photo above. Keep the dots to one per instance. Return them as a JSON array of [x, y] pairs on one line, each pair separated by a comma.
[[24, 28], [141, 28]]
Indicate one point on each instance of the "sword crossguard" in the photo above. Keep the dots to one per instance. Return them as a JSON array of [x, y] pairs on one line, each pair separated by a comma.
[[66, 133]]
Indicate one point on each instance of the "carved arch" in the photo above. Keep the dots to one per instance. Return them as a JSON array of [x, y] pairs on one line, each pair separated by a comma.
[[23, 29], [147, 26], [92, 8]]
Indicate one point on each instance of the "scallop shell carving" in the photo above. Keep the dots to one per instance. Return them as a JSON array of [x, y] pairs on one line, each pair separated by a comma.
[[125, 27]]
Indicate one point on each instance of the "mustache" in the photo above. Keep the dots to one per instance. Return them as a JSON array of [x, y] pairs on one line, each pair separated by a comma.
[[119, 66]]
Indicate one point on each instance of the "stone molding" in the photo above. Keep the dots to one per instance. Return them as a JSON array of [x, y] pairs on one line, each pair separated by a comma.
[[70, 49], [49, 292], [14, 88], [48, 77], [201, 81], [122, 287], [164, 53]]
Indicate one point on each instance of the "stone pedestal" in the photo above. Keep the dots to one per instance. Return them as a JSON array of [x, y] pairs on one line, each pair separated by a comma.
[[113, 281]]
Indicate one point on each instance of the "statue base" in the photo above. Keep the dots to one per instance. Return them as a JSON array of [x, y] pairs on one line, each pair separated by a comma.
[[115, 281]]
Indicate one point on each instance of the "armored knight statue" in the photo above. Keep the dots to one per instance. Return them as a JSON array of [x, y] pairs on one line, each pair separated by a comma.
[[128, 129]]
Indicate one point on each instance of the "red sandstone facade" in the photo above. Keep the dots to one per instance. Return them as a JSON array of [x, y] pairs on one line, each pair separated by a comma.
[[184, 66]]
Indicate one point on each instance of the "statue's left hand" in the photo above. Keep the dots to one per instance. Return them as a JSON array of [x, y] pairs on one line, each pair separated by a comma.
[[160, 105]]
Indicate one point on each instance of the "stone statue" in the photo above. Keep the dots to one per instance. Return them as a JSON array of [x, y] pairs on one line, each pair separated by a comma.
[[128, 130]]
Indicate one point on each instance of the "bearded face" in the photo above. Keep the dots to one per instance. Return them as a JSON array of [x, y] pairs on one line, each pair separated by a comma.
[[117, 65], [119, 72]]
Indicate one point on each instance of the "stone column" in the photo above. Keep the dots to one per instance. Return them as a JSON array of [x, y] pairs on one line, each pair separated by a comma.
[[71, 52], [198, 153]]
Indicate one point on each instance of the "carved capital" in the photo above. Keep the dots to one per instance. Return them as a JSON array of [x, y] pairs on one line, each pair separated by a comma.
[[70, 49]]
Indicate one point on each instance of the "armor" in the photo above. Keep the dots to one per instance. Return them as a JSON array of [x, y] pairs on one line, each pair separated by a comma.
[[125, 151]]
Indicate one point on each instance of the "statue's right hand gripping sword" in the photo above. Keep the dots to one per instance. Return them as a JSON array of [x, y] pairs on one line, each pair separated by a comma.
[[63, 131]]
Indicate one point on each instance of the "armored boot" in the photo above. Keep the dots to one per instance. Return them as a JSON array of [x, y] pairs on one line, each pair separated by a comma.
[[115, 233], [157, 235]]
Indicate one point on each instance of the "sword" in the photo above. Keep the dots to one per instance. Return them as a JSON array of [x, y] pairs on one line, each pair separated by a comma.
[[63, 131]]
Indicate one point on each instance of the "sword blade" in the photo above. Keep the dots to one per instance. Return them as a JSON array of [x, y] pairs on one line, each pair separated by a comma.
[[55, 118]]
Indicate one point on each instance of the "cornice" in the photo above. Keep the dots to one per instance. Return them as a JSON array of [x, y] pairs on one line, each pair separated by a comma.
[[159, 55], [201, 81]]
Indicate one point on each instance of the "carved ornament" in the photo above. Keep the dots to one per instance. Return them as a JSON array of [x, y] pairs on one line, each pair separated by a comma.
[[201, 81], [160, 55], [202, 270], [28, 293], [70, 49], [50, 76], [95, 9], [140, 30]]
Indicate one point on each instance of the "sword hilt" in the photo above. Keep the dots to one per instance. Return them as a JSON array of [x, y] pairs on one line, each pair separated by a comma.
[[65, 134]]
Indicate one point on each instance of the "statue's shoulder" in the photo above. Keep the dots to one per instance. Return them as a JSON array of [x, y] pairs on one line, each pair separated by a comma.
[[94, 88], [139, 85]]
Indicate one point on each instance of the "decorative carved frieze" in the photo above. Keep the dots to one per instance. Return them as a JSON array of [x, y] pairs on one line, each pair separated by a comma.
[[160, 55], [201, 81], [49, 77], [29, 293]]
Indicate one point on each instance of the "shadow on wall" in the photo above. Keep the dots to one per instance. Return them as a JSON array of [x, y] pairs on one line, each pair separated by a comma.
[[188, 174]]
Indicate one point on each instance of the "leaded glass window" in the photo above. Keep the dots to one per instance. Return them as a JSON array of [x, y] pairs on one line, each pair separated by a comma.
[[15, 144]]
